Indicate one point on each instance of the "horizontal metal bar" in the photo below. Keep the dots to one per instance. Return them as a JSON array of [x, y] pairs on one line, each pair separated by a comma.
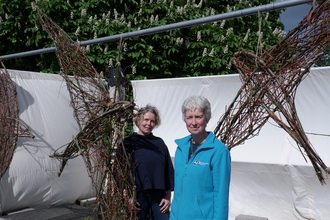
[[184, 24]]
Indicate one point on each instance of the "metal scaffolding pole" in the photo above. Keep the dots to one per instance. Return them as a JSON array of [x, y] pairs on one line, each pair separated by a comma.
[[184, 24]]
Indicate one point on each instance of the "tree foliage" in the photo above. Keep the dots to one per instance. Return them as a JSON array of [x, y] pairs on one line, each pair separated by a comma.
[[192, 51], [325, 59]]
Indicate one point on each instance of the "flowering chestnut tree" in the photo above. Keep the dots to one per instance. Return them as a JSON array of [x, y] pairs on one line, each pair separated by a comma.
[[191, 51]]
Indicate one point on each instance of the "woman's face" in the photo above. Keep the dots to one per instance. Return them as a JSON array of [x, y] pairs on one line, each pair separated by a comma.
[[195, 121], [147, 124]]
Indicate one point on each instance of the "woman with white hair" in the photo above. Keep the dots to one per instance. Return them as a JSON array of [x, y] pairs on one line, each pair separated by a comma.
[[202, 168]]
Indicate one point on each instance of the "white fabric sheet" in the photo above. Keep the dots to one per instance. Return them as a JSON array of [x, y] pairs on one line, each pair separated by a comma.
[[270, 177], [32, 178]]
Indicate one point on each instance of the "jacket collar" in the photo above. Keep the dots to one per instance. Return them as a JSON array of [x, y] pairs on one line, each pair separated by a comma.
[[184, 143]]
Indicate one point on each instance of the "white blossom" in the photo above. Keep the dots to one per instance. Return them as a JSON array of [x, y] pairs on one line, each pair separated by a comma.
[[276, 31], [204, 52], [83, 12], [77, 31], [212, 11], [135, 21], [229, 65], [229, 31], [228, 8], [178, 41], [152, 19], [90, 20], [225, 50], [156, 19], [95, 35], [200, 4], [133, 70], [105, 49], [33, 5], [71, 15], [199, 36], [110, 63], [125, 47], [223, 38], [179, 10], [88, 48], [212, 52], [266, 17], [246, 35], [222, 23], [116, 13]]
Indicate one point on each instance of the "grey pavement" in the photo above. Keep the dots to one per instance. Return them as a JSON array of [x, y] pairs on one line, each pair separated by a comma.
[[63, 212]]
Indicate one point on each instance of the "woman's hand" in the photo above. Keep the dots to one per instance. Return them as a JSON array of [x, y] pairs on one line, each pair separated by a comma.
[[165, 203]]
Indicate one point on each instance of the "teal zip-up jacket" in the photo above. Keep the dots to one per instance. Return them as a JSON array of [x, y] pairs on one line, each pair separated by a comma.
[[201, 184]]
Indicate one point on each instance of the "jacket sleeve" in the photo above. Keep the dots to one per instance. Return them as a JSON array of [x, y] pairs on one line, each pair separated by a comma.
[[169, 171], [221, 181]]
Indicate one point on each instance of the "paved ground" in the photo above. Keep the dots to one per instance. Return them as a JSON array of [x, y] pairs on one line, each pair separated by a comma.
[[64, 212]]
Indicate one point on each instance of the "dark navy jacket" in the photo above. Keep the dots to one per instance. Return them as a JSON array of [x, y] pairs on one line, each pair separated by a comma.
[[151, 162]]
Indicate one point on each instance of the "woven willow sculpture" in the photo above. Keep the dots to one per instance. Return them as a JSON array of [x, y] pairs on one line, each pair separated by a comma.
[[11, 128], [270, 81], [102, 121]]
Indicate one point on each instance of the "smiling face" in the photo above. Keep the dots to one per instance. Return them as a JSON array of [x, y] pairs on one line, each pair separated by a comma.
[[195, 121], [147, 124]]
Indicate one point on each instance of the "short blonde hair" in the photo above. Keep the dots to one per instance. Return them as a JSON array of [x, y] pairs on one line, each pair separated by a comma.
[[142, 111]]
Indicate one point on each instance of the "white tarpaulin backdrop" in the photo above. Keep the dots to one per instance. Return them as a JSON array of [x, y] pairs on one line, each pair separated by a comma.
[[270, 177], [32, 180]]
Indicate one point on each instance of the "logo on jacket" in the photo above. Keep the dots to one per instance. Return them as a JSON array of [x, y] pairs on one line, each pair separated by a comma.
[[197, 162]]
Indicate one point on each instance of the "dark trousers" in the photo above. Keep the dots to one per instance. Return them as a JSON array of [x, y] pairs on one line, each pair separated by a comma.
[[149, 205]]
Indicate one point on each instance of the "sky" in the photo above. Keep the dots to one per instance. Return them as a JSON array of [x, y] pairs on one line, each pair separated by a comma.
[[292, 16]]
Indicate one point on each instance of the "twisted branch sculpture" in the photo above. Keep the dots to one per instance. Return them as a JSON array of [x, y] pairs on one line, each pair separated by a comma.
[[102, 121], [10, 126], [270, 81]]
